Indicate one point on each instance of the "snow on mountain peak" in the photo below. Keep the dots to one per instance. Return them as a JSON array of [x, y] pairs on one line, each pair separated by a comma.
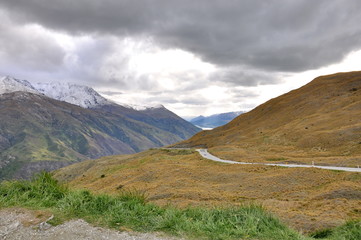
[[80, 95], [142, 108], [9, 84]]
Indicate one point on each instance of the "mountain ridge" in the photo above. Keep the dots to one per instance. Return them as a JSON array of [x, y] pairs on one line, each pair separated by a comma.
[[80, 95]]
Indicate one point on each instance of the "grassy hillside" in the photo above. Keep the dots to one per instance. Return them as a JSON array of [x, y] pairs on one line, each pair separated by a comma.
[[306, 199], [317, 122], [130, 211]]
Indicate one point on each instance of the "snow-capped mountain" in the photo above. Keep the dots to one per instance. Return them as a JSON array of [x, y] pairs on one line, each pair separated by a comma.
[[9, 84], [79, 95]]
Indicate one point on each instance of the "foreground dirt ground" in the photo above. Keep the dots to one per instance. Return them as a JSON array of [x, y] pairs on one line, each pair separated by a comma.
[[31, 225], [306, 199]]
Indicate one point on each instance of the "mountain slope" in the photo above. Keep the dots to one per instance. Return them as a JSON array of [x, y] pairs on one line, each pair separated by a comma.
[[320, 119], [214, 120], [39, 132]]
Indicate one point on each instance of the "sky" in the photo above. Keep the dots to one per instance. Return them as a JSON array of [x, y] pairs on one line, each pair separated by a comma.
[[194, 57]]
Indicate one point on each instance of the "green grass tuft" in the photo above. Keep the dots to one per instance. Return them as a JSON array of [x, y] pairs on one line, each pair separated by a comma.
[[349, 231]]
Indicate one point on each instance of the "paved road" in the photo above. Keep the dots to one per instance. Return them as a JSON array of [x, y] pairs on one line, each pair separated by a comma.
[[204, 153]]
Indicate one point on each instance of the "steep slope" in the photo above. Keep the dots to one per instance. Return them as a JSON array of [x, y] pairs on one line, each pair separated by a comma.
[[214, 120], [319, 119], [39, 132]]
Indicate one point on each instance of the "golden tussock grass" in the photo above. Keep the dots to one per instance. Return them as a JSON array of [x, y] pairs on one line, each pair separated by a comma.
[[306, 199]]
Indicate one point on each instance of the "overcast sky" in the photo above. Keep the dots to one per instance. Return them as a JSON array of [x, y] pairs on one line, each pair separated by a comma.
[[193, 56]]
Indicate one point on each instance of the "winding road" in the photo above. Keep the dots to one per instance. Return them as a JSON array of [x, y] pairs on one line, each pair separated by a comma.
[[205, 154]]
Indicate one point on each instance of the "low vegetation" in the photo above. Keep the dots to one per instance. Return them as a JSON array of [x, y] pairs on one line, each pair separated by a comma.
[[130, 210]]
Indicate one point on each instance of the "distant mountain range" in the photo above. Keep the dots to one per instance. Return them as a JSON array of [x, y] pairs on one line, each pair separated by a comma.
[[215, 120], [47, 126]]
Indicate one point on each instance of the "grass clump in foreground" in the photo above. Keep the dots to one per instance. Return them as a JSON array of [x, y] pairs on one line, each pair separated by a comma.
[[130, 211]]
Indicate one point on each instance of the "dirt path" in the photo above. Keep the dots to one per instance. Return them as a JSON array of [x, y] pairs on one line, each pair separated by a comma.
[[205, 154], [31, 225]]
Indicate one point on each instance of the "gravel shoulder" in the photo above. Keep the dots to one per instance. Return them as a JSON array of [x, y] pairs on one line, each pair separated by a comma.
[[26, 224]]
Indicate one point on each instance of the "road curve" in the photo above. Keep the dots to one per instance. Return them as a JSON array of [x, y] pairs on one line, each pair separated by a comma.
[[205, 154]]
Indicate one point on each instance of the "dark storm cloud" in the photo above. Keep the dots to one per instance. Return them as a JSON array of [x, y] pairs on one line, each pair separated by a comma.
[[24, 46], [276, 35]]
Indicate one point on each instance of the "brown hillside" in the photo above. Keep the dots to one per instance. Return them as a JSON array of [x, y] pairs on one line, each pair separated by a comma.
[[319, 121], [305, 198]]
